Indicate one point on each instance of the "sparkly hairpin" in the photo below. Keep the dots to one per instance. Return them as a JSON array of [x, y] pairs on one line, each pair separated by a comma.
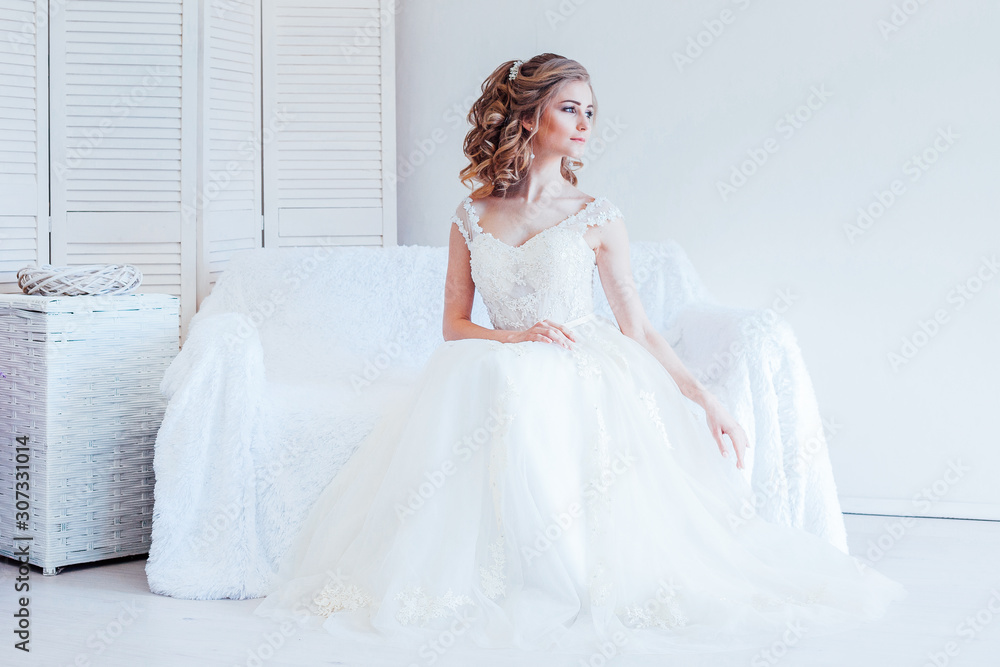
[[513, 70]]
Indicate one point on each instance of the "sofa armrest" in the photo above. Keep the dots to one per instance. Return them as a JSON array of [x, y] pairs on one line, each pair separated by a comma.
[[204, 495], [806, 459], [751, 360]]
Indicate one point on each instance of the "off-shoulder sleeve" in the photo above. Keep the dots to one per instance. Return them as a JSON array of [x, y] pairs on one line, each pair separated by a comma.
[[461, 219], [603, 212]]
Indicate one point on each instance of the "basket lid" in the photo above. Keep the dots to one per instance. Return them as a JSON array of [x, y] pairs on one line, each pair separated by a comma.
[[89, 303]]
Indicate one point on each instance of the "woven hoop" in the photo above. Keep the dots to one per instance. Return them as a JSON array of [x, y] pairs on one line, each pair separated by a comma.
[[93, 279]]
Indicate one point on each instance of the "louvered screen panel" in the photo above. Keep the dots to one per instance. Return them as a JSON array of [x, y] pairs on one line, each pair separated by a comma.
[[230, 183], [328, 97], [24, 192], [122, 142]]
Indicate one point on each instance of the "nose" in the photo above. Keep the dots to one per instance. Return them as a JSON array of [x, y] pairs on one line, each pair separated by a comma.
[[584, 123]]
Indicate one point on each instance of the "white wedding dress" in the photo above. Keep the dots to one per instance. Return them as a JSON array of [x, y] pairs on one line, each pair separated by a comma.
[[530, 496]]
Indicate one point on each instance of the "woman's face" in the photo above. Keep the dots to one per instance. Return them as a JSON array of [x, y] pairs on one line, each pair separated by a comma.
[[566, 121]]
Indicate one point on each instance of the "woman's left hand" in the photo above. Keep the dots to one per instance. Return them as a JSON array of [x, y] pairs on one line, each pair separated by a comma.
[[721, 422]]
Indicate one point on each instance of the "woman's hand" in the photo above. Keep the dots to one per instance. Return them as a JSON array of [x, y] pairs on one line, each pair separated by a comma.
[[721, 422], [545, 331]]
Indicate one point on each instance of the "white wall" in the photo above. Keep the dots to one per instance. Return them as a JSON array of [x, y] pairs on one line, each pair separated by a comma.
[[676, 131]]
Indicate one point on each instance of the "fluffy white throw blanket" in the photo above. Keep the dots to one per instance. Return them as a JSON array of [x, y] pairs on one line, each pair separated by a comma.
[[295, 353]]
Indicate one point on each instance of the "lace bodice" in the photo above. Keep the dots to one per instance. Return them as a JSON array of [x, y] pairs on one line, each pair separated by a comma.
[[549, 276]]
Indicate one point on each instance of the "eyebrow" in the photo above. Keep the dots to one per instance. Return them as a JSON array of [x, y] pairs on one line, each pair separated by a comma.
[[575, 102]]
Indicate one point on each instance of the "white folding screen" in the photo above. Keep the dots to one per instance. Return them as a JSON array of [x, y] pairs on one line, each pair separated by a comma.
[[122, 131], [24, 188], [170, 134], [329, 122], [229, 182]]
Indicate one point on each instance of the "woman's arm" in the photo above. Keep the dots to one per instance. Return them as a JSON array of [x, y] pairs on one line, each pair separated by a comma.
[[615, 270], [459, 291]]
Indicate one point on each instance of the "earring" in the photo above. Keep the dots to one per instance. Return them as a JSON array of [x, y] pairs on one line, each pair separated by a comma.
[[532, 156]]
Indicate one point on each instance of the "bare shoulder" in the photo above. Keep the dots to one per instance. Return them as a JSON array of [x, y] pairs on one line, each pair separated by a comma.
[[581, 198]]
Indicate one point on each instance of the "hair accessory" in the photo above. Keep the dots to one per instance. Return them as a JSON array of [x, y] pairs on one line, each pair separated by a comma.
[[513, 70]]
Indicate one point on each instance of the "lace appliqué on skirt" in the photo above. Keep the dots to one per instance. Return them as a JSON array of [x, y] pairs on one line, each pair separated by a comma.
[[598, 584], [660, 611], [492, 576], [416, 606], [597, 490], [586, 364], [649, 400], [764, 602], [606, 471], [336, 596], [768, 602]]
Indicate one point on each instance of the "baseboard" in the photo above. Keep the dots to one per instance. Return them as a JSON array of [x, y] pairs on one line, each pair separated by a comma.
[[906, 507]]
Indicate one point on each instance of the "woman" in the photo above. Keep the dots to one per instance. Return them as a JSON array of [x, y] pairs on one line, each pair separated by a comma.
[[546, 485]]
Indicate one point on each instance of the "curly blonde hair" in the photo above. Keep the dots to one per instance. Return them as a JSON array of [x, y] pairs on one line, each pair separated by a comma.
[[497, 145]]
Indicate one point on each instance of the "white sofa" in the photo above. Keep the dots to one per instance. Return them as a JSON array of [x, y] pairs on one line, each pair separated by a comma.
[[295, 353]]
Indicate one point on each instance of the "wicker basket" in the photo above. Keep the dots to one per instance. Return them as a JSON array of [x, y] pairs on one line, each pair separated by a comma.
[[82, 383]]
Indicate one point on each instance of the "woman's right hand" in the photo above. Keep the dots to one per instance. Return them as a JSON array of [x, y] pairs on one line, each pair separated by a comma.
[[545, 331]]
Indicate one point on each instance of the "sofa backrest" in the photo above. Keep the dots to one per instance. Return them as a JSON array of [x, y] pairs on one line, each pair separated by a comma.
[[356, 309]]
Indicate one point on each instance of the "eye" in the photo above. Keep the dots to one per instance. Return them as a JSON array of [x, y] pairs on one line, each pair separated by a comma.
[[590, 114]]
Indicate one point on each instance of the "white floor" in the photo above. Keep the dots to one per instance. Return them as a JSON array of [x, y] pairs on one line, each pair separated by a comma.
[[105, 615]]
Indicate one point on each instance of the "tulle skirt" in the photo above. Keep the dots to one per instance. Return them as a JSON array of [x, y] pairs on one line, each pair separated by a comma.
[[533, 497]]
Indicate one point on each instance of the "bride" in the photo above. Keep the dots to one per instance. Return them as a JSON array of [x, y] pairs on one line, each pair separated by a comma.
[[547, 485]]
